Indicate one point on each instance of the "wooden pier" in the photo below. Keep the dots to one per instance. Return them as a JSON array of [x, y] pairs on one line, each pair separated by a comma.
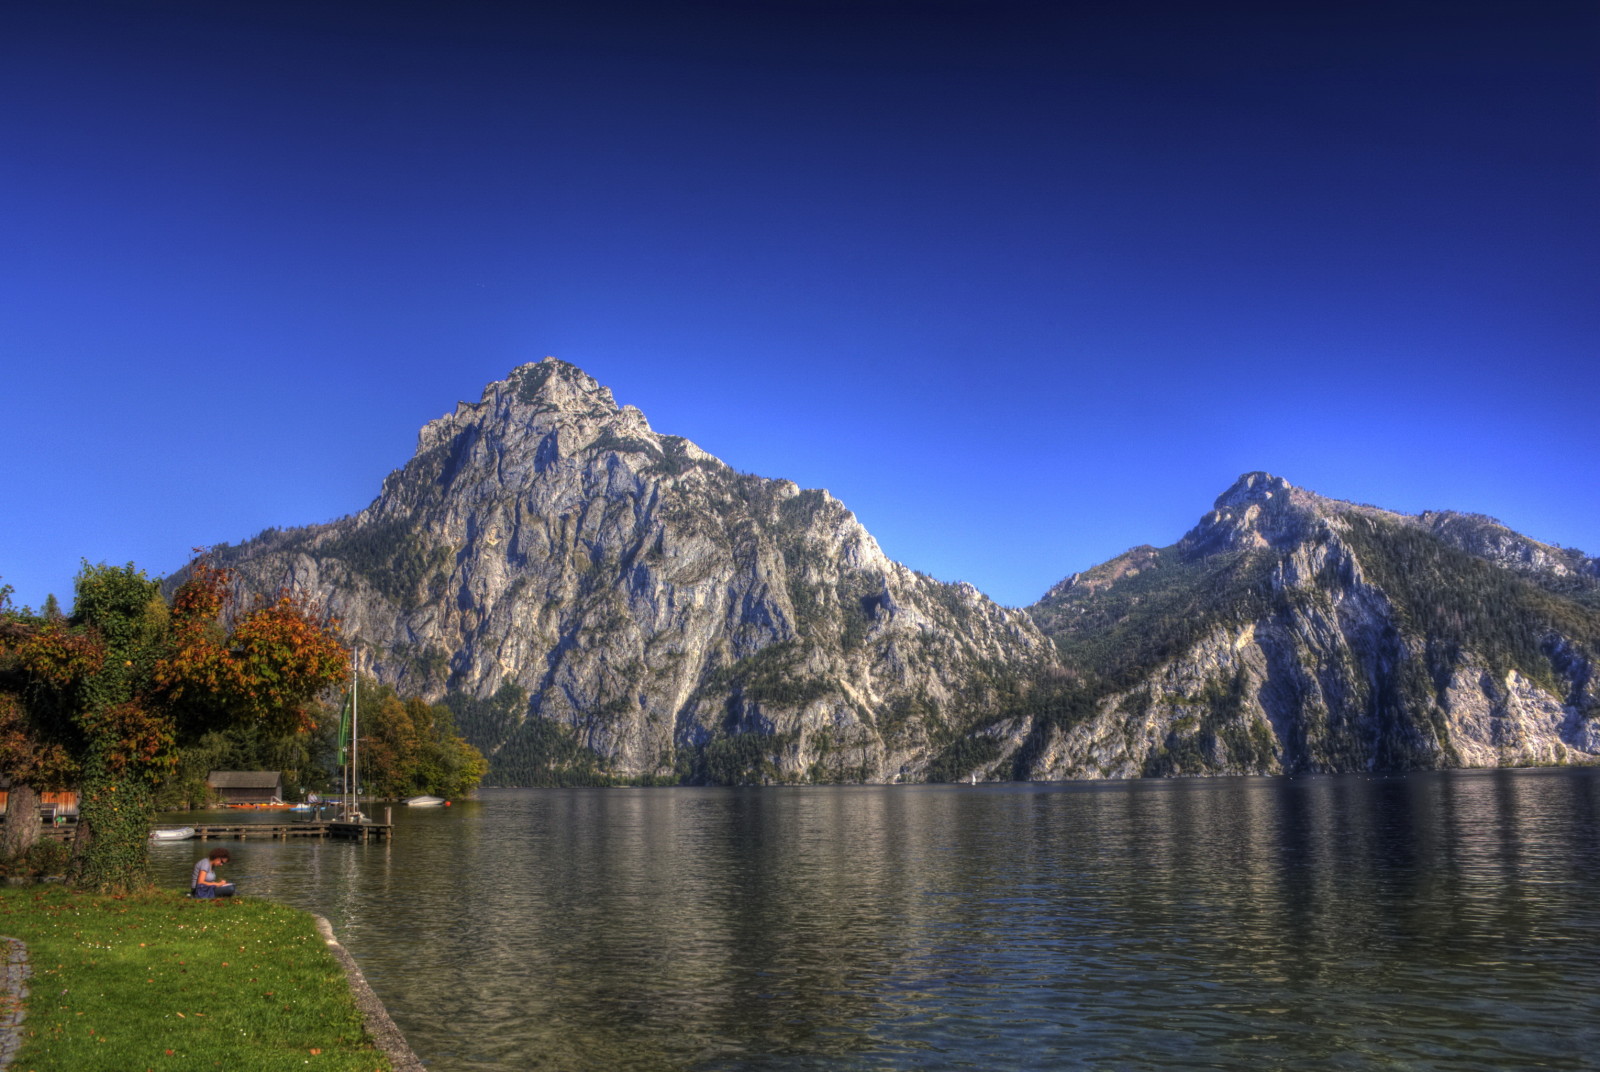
[[315, 828], [303, 828]]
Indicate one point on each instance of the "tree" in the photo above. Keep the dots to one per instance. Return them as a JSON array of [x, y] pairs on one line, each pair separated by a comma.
[[38, 661], [409, 747], [301, 757], [96, 670], [126, 678]]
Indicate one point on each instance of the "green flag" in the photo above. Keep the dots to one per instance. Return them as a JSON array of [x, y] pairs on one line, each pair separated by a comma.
[[344, 732]]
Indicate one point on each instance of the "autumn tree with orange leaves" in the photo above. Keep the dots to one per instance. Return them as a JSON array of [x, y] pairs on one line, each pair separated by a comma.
[[278, 655], [125, 680]]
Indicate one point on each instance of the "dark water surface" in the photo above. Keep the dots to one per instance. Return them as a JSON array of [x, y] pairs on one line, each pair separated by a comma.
[[1441, 920]]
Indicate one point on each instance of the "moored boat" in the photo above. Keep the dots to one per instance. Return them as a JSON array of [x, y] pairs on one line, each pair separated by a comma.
[[426, 801], [172, 833]]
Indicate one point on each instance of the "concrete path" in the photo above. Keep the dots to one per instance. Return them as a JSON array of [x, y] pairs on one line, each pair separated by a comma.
[[13, 989]]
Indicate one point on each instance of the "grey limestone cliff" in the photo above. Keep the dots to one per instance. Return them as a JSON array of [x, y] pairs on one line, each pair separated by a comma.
[[1289, 632], [596, 599]]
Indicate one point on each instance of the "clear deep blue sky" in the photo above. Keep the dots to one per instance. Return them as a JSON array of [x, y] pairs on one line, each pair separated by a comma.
[[1023, 284]]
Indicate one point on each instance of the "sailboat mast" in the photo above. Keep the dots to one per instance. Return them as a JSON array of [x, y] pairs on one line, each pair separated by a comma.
[[355, 745], [344, 709], [346, 741]]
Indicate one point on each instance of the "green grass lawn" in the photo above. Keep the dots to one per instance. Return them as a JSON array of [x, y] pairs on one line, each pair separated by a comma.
[[158, 981]]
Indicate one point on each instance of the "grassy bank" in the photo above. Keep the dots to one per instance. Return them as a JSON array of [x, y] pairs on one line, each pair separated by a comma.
[[162, 982]]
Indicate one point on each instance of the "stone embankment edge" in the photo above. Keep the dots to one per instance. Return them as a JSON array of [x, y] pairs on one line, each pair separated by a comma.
[[13, 991], [382, 1029]]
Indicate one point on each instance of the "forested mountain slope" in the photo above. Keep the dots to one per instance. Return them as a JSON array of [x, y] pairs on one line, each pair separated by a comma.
[[1289, 632]]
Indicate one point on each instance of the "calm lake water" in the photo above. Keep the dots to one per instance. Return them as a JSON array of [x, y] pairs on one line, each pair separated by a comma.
[[1440, 920]]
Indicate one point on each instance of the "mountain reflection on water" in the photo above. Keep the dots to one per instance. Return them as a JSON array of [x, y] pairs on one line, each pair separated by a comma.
[[1437, 920]]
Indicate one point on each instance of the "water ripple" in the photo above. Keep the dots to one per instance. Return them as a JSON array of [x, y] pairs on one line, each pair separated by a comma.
[[1442, 920]]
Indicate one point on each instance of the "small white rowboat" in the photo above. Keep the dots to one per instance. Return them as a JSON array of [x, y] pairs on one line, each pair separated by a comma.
[[172, 833]]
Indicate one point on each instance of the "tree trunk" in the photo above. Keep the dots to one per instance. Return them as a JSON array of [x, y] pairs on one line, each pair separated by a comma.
[[22, 821], [111, 853]]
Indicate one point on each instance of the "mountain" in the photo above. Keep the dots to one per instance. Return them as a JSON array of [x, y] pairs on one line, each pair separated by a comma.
[[598, 601], [1288, 632]]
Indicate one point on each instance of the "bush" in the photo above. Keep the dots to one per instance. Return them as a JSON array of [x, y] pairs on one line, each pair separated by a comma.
[[48, 857]]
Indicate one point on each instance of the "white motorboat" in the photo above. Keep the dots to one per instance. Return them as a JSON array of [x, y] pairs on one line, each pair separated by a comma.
[[426, 801]]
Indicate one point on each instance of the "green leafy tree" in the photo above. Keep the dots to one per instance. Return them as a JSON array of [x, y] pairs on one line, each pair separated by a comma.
[[409, 747], [124, 742]]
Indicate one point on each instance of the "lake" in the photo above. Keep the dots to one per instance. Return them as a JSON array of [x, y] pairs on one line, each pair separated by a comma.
[[1444, 920]]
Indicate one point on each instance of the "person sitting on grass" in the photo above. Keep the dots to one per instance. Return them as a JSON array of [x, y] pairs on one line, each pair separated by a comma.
[[205, 882]]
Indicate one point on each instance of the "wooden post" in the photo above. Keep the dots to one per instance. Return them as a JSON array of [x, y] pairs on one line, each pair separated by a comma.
[[388, 815]]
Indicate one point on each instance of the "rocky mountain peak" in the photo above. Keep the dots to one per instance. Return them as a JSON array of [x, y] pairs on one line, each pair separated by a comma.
[[554, 384], [1287, 632], [520, 412], [594, 596], [1253, 489], [1259, 510]]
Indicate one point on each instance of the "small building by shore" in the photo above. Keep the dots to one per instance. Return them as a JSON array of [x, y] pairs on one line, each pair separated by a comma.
[[246, 787], [51, 804]]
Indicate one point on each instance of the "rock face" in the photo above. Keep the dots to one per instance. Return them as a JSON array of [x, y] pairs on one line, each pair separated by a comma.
[[1288, 632], [598, 600]]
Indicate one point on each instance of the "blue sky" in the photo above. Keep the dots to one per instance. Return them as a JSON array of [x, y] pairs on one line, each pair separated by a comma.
[[1023, 284]]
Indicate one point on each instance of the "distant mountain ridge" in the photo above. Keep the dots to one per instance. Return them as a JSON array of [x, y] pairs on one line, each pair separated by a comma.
[[600, 602], [1289, 632]]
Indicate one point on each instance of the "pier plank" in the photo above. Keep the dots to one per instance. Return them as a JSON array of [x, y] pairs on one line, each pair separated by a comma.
[[284, 831]]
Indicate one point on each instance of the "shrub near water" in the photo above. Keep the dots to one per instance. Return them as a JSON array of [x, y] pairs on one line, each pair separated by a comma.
[[46, 858], [159, 981]]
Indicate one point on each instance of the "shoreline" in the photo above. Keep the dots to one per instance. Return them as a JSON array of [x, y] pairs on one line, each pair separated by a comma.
[[385, 1034]]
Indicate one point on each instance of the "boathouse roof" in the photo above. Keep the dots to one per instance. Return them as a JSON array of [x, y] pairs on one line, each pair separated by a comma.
[[244, 779]]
